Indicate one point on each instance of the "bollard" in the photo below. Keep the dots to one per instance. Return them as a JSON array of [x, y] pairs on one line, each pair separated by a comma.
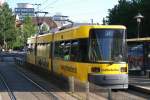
[[109, 94], [148, 73], [71, 84], [87, 91]]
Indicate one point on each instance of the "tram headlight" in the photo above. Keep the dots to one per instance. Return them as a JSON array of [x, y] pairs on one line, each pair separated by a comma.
[[95, 69], [123, 69]]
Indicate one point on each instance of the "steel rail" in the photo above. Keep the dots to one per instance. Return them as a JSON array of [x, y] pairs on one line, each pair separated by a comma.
[[54, 96], [43, 89], [10, 93]]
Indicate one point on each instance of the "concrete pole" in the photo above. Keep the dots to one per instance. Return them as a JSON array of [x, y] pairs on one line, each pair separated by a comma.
[[87, 91], [71, 84], [109, 94]]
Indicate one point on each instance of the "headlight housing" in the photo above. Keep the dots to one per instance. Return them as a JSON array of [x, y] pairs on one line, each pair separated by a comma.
[[123, 69], [95, 69]]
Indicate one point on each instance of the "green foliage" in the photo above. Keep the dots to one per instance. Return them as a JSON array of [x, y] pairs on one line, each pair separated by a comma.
[[124, 12], [44, 28], [7, 24], [18, 42], [14, 36], [24, 31], [28, 28]]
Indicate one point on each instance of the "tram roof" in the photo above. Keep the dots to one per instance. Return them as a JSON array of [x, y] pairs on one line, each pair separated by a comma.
[[45, 38], [82, 31], [77, 32]]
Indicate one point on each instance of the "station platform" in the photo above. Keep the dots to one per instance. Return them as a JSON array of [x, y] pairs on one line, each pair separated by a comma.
[[139, 83]]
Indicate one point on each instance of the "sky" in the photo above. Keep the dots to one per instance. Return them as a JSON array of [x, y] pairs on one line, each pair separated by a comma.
[[77, 10]]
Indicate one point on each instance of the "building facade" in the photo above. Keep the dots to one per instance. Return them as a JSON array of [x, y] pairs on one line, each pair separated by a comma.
[[24, 9]]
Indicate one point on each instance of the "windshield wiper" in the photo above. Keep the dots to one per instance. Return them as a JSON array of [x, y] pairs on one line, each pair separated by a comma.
[[110, 62]]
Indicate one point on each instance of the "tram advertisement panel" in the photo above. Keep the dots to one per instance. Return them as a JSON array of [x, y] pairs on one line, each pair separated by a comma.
[[135, 57]]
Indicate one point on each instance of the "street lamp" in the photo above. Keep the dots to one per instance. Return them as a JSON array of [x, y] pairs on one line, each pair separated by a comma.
[[138, 18]]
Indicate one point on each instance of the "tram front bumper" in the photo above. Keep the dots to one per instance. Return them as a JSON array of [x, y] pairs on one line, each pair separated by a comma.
[[112, 81]]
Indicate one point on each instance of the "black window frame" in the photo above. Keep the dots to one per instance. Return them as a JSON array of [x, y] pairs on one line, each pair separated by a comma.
[[81, 54]]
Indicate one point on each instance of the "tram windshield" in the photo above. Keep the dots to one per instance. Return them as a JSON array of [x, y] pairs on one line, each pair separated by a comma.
[[107, 45]]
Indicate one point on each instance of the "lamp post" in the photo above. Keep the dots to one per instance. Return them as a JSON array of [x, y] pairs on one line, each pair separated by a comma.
[[138, 18]]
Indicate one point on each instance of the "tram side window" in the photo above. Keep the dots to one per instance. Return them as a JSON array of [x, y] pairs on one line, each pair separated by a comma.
[[67, 50], [79, 51], [83, 50], [74, 55], [59, 49], [75, 50], [56, 49]]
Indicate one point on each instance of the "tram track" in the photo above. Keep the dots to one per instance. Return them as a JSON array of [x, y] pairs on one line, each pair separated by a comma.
[[10, 93], [8, 81], [120, 95], [76, 96], [25, 84], [54, 95]]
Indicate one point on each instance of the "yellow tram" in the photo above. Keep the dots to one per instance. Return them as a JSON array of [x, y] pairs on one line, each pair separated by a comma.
[[95, 53]]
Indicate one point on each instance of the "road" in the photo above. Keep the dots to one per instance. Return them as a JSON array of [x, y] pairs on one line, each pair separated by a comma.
[[24, 89]]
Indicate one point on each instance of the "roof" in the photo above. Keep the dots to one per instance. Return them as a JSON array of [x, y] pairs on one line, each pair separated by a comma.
[[46, 20]]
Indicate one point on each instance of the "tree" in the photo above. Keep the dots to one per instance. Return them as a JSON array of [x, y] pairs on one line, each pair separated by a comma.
[[23, 31], [124, 12], [28, 28], [145, 9], [44, 28], [7, 24], [10, 35]]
